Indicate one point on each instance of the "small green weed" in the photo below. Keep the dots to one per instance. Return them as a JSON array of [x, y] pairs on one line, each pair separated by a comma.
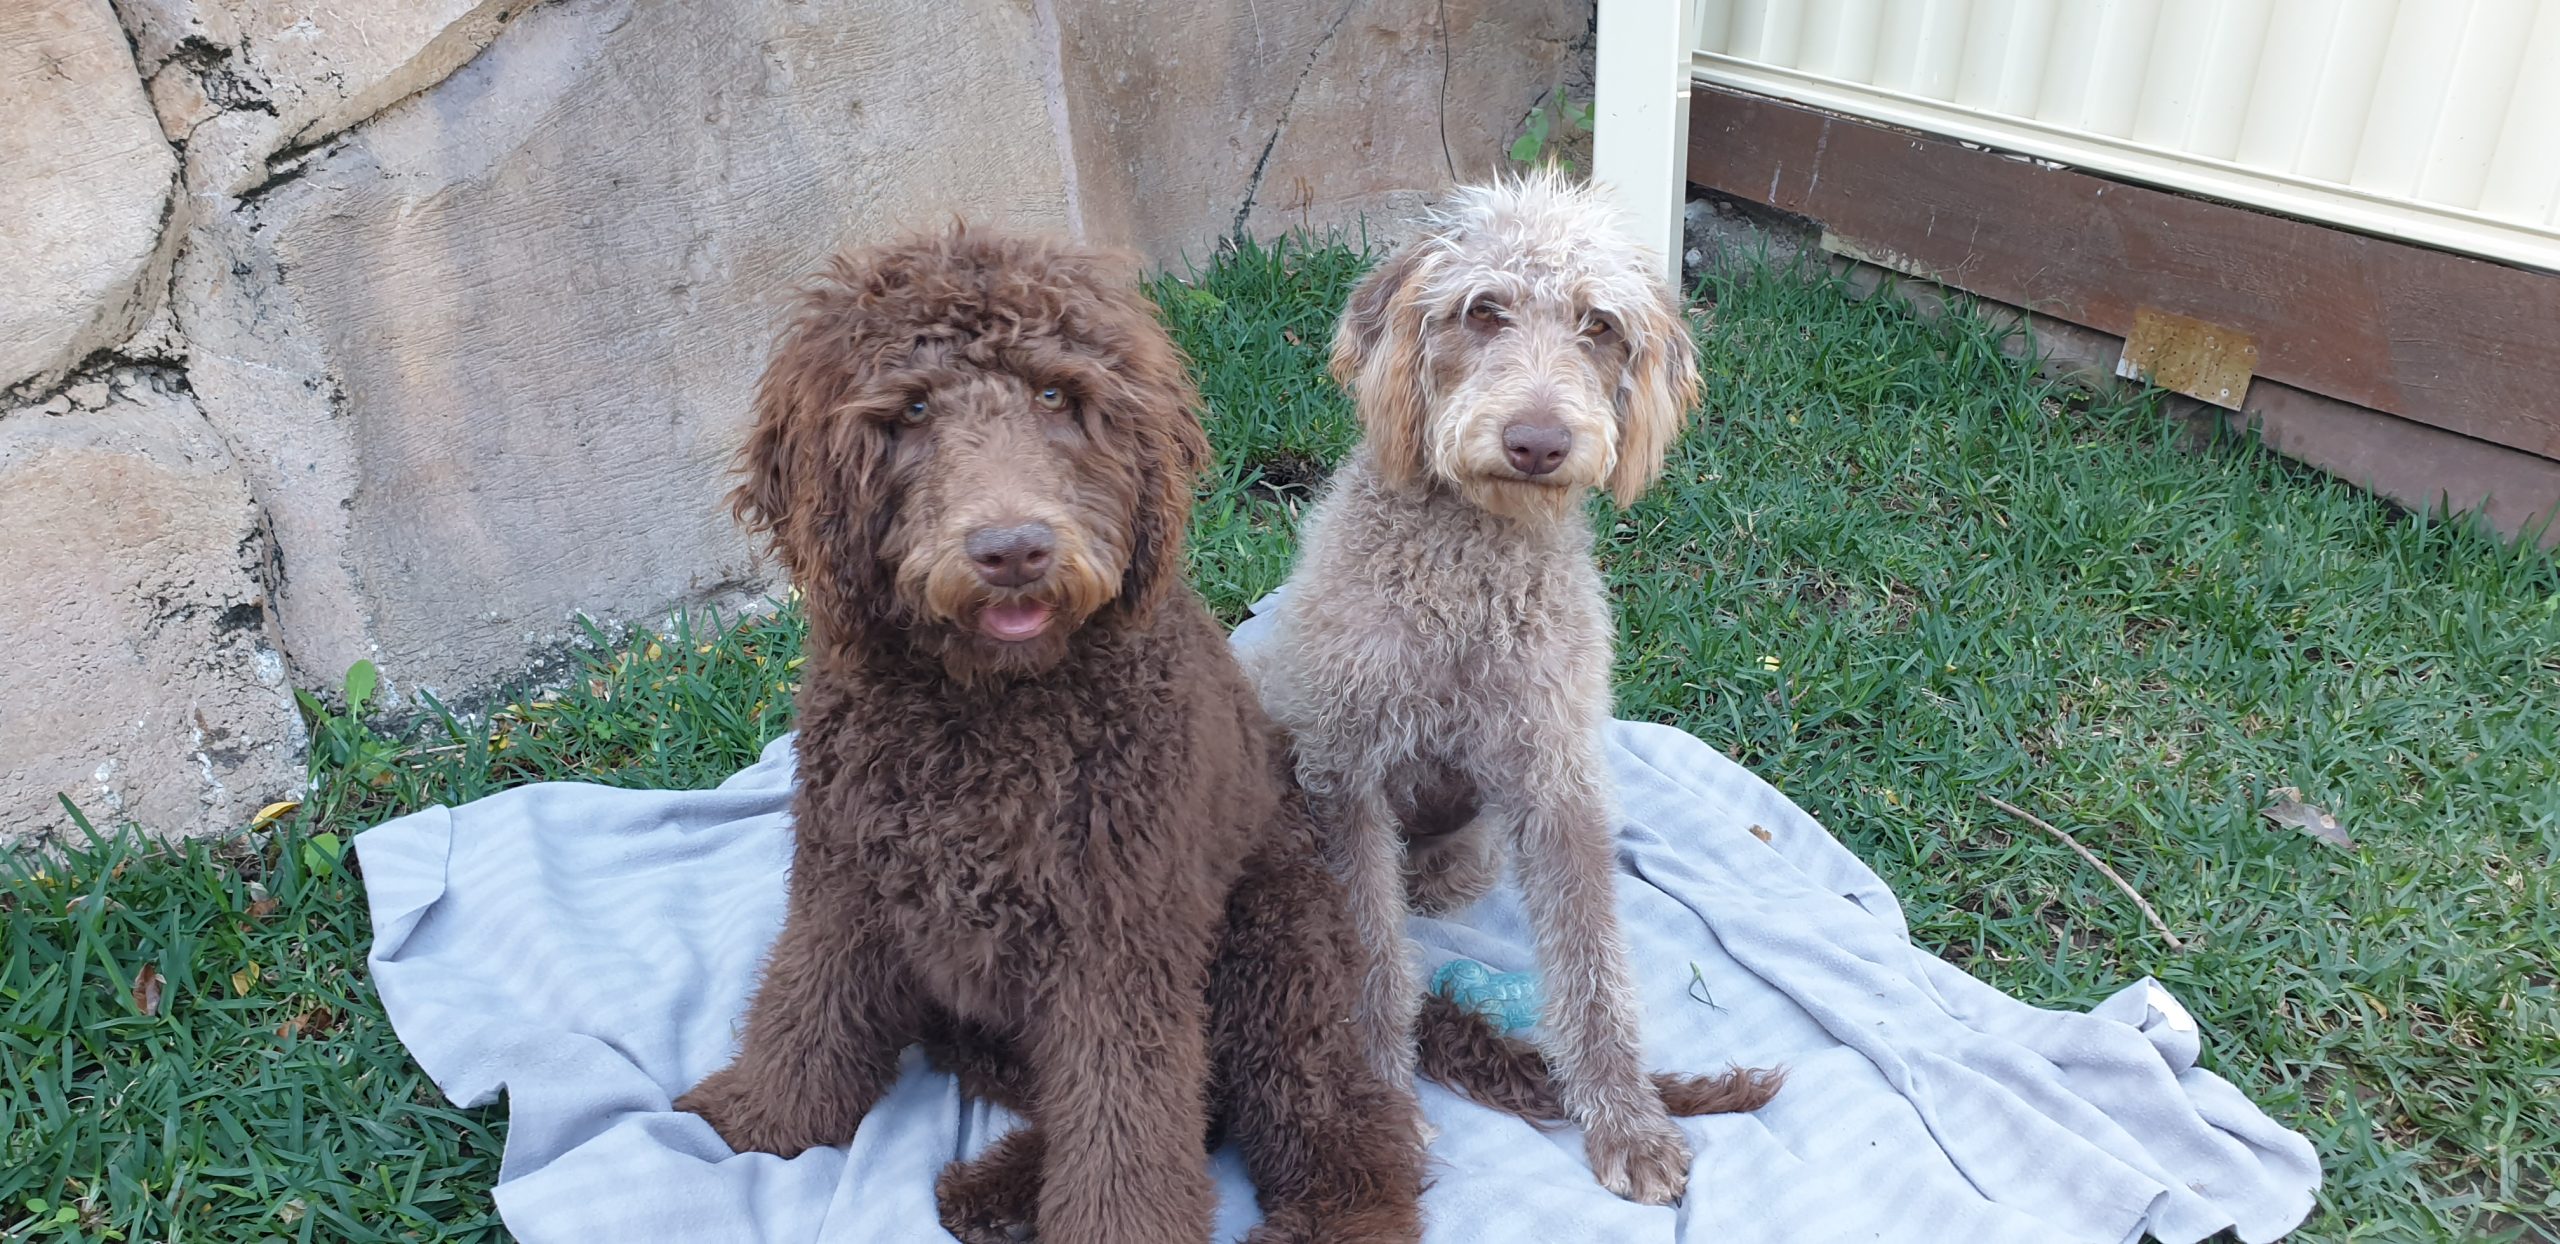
[[1551, 120]]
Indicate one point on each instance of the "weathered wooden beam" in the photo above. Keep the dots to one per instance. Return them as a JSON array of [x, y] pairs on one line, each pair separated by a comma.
[[2460, 344]]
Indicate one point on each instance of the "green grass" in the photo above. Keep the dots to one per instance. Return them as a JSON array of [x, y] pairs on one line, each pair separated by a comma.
[[1891, 571], [268, 1097]]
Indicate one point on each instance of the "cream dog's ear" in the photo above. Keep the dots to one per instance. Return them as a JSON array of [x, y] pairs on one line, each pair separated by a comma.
[[1655, 392], [1377, 356]]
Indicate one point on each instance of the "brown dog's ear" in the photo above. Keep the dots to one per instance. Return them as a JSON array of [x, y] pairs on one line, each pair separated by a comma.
[[1377, 355], [1171, 451], [808, 467], [1655, 392], [761, 501]]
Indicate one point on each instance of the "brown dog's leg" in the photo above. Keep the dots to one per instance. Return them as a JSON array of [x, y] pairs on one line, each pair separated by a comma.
[[1568, 875], [823, 1034], [1336, 1153], [1120, 1066], [988, 1199]]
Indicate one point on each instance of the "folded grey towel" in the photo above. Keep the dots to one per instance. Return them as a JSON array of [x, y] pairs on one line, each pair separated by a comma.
[[589, 952]]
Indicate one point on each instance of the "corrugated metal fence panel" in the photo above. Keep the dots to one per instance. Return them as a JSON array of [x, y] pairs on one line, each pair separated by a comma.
[[2435, 120]]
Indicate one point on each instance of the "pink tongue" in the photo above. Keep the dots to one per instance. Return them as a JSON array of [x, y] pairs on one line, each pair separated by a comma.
[[1016, 620]]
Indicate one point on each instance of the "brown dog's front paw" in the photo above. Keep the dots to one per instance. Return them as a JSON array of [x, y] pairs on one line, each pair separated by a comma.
[[969, 1217], [992, 1198], [755, 1120], [1646, 1161], [977, 1215]]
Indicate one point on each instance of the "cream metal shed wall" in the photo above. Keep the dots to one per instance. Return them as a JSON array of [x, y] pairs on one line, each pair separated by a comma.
[[2433, 121], [2361, 197]]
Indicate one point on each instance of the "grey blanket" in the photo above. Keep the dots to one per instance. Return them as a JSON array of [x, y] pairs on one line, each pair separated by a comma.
[[588, 951]]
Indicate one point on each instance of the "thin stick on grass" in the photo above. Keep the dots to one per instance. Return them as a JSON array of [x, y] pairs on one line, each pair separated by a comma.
[[2101, 865]]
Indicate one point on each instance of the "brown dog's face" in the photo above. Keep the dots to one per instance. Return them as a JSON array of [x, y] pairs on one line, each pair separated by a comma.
[[977, 444]]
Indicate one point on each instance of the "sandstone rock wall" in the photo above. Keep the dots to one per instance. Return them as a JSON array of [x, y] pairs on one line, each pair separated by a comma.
[[407, 330], [144, 678], [89, 183]]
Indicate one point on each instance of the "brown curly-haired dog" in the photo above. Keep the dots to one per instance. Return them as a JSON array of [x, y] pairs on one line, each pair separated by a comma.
[[1041, 815]]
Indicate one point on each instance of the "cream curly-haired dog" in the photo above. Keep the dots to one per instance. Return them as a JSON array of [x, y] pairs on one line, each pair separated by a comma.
[[1442, 651]]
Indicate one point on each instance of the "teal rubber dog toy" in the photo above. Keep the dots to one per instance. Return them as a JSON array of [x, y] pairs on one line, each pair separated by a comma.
[[1509, 999]]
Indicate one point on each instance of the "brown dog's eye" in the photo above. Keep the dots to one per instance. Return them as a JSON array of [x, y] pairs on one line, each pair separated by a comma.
[[1485, 312], [1596, 327], [1052, 398], [915, 413]]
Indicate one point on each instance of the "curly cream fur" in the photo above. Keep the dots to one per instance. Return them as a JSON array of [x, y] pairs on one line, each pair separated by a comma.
[[1442, 653]]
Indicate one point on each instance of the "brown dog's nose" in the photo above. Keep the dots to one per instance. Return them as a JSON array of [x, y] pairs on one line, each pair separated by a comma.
[[1012, 556], [1536, 448]]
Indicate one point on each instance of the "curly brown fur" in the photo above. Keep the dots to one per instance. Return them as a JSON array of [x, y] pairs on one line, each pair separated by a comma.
[[1038, 801], [988, 1197], [1279, 995], [1442, 653]]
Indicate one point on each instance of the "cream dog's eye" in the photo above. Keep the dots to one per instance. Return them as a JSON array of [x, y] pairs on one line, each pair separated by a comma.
[[916, 412], [1052, 398], [1485, 311], [1597, 326]]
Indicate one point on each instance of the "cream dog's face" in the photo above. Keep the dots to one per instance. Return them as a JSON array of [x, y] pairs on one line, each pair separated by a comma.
[[1526, 369], [1522, 354]]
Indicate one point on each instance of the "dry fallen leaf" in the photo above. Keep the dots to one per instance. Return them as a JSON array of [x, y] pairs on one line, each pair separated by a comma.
[[1759, 833], [2288, 809], [267, 815], [316, 1022], [146, 989], [244, 980], [260, 909]]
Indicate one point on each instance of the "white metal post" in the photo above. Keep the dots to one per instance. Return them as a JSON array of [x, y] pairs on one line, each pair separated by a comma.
[[1640, 116]]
